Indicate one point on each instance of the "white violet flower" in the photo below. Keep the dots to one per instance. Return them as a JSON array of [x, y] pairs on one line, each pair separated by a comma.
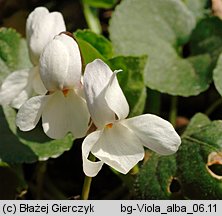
[[41, 27], [63, 109], [117, 141]]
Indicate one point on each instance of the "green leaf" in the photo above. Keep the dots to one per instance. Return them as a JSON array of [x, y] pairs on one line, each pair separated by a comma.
[[198, 121], [101, 3], [201, 147], [155, 178], [13, 52], [4, 70], [9, 46], [89, 53], [91, 15], [199, 153], [198, 7], [23, 56], [27, 147], [201, 66], [158, 24], [206, 38], [131, 80], [217, 75], [99, 42], [159, 29], [193, 172]]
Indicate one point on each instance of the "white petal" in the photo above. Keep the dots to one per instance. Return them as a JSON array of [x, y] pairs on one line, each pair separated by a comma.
[[119, 148], [33, 19], [155, 133], [116, 99], [22, 97], [74, 72], [80, 90], [96, 79], [90, 168], [41, 27], [13, 85], [34, 83], [65, 114], [30, 112], [54, 63], [37, 83], [60, 64]]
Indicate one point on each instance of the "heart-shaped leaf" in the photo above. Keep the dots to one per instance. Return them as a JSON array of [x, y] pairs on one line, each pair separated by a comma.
[[159, 29]]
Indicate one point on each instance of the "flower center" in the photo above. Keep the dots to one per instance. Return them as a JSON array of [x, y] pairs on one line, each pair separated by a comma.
[[110, 125], [65, 92]]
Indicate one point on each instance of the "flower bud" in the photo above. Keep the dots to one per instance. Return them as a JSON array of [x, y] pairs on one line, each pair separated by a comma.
[[41, 27], [60, 64]]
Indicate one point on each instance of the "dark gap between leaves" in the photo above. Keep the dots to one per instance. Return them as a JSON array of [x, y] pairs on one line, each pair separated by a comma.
[[175, 186]]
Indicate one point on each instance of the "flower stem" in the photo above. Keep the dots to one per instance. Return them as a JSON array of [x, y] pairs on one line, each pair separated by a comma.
[[87, 182], [91, 16], [173, 110], [41, 169], [213, 107]]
